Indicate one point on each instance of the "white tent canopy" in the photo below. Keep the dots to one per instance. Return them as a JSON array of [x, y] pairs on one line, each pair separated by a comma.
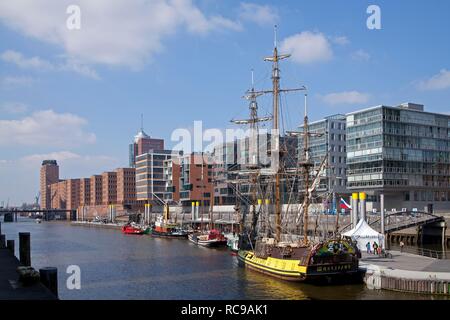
[[363, 233]]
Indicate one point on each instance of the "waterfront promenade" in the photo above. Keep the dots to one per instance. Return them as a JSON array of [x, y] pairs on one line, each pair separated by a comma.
[[11, 288], [406, 272]]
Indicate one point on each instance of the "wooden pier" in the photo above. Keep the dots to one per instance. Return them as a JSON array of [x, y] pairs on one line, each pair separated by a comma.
[[11, 286]]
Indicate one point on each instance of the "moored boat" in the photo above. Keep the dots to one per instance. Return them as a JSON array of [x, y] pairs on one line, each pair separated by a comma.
[[232, 242], [212, 238], [132, 229], [288, 255], [300, 263], [167, 230]]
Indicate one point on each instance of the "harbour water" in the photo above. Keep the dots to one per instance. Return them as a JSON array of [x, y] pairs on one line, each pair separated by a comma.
[[117, 266]]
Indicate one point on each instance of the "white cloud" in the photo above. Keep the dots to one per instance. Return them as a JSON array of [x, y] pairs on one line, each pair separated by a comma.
[[117, 32], [346, 97], [17, 58], [46, 129], [13, 107], [307, 47], [16, 81], [439, 81], [37, 63], [360, 55], [341, 40], [259, 14]]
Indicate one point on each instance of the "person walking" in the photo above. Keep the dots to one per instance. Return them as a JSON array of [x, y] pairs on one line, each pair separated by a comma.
[[402, 244], [375, 248], [368, 247]]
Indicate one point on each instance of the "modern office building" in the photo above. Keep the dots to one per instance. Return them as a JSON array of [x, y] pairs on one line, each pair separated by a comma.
[[402, 153], [49, 174], [196, 174], [142, 144], [150, 182], [172, 172], [225, 166], [329, 140]]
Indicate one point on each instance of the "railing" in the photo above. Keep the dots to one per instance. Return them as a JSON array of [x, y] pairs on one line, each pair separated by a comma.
[[441, 255]]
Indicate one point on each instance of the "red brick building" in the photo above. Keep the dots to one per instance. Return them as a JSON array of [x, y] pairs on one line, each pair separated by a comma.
[[49, 174]]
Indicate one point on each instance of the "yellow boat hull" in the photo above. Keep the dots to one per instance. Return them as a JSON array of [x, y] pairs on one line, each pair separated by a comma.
[[285, 269]]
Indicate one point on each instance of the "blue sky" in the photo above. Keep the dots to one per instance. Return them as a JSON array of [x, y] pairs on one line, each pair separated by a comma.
[[77, 95]]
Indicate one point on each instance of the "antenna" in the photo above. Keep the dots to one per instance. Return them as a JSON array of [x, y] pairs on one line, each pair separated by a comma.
[[253, 80], [142, 122]]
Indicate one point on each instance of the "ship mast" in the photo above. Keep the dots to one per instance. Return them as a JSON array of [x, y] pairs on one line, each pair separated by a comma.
[[306, 166], [275, 153], [254, 160]]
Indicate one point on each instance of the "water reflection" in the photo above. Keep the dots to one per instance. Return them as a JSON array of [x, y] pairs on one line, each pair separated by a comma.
[[117, 266]]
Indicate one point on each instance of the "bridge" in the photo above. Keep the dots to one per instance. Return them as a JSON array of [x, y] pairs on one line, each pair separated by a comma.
[[396, 225], [404, 220], [10, 215]]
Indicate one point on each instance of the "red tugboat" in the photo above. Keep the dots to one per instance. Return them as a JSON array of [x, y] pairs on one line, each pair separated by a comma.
[[132, 229]]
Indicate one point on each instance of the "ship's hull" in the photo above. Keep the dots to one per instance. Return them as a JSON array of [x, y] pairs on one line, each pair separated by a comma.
[[285, 269], [213, 243], [132, 230], [292, 270], [170, 235]]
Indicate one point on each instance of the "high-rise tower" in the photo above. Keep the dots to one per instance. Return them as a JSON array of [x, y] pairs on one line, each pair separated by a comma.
[[49, 174]]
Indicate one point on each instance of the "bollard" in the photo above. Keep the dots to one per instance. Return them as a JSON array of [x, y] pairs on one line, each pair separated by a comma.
[[49, 278], [24, 249], [10, 246], [2, 241]]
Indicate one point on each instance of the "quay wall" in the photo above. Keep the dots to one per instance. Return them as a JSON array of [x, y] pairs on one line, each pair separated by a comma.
[[423, 282]]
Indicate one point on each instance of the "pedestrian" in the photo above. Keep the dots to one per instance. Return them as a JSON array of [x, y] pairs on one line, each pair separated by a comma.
[[402, 244], [380, 250], [375, 248], [368, 247]]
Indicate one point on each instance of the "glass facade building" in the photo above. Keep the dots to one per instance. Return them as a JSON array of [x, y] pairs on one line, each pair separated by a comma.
[[150, 180], [332, 140], [401, 151]]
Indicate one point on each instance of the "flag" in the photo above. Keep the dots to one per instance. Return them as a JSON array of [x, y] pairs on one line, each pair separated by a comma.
[[345, 205]]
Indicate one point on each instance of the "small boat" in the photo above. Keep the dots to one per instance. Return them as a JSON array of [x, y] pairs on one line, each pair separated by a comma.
[[163, 229], [232, 242], [212, 238], [132, 229]]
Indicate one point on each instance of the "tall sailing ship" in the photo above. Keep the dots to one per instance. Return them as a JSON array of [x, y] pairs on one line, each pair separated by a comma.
[[284, 252]]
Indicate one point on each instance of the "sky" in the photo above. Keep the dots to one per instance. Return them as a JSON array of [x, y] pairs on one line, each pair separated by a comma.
[[77, 94]]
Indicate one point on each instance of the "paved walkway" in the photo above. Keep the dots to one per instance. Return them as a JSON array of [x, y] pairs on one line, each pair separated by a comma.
[[405, 265], [11, 289]]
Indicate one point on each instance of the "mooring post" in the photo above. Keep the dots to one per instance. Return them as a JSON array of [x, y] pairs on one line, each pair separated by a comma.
[[2, 241], [49, 278], [10, 246], [24, 249]]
